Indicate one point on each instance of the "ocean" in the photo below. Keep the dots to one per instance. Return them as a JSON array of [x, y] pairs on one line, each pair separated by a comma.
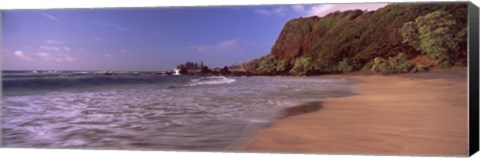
[[144, 111]]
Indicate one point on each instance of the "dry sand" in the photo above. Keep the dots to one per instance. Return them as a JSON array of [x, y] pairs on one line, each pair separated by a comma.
[[411, 114]]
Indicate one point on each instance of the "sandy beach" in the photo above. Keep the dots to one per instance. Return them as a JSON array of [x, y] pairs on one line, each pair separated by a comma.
[[406, 114]]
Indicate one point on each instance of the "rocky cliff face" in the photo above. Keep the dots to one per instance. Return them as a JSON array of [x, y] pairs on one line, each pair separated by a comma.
[[302, 35], [353, 37]]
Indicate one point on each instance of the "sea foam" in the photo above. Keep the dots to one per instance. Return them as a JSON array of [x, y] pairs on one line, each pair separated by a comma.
[[211, 80]]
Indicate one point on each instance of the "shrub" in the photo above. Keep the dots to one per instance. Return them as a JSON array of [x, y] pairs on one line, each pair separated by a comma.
[[282, 65], [379, 65], [344, 66], [445, 64], [266, 65], [400, 63], [419, 69], [272, 65], [302, 66], [397, 64], [367, 66], [250, 66], [438, 35]]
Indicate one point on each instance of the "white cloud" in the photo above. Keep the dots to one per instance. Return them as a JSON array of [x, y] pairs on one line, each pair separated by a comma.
[[324, 9], [43, 54], [53, 42], [262, 11], [123, 50], [229, 44], [321, 10], [48, 16], [222, 46], [119, 28], [55, 57], [298, 8], [22, 55], [275, 11], [112, 26], [50, 48], [70, 59], [107, 56], [54, 46], [278, 11]]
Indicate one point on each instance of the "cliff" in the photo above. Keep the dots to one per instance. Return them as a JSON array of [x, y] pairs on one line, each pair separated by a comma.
[[356, 39]]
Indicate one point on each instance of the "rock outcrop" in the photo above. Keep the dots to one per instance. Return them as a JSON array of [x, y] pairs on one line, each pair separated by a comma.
[[349, 40]]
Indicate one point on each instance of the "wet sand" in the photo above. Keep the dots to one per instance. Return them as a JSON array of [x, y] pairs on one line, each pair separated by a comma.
[[407, 114]]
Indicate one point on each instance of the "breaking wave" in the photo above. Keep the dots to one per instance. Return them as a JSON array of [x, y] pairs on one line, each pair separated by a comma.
[[211, 80]]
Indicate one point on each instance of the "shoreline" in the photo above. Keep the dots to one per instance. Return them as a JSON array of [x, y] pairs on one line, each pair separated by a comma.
[[402, 114]]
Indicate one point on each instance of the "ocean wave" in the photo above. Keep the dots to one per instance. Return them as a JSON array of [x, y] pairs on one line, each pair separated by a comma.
[[211, 80], [167, 115], [59, 81]]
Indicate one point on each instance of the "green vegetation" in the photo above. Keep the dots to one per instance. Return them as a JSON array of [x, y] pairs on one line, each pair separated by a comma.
[[344, 66], [250, 67], [302, 66], [397, 64], [271, 65], [190, 65], [438, 35], [354, 40]]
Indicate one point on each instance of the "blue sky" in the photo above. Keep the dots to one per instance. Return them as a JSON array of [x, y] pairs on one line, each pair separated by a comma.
[[142, 39]]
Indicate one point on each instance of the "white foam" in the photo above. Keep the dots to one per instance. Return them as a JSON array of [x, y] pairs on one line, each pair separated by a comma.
[[256, 120], [212, 80]]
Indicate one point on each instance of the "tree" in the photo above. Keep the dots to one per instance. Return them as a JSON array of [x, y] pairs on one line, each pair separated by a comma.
[[183, 71], [410, 35], [190, 65], [438, 35], [205, 69], [225, 70]]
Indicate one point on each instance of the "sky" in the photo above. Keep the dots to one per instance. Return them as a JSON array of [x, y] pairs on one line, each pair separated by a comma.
[[147, 39]]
